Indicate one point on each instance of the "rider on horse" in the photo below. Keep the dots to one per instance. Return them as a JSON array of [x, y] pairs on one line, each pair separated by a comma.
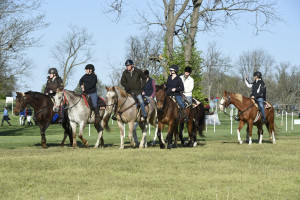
[[134, 81], [258, 92], [188, 83], [88, 83], [53, 82], [174, 87]]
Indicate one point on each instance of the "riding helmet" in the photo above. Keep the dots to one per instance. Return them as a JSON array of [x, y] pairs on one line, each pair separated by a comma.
[[146, 72], [90, 66], [188, 69], [53, 71], [257, 73], [129, 62], [174, 68]]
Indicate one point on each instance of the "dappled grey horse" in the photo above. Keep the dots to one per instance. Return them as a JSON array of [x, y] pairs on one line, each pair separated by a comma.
[[127, 112], [80, 113]]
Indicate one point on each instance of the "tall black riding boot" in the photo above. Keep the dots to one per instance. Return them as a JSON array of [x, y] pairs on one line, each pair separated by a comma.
[[97, 115]]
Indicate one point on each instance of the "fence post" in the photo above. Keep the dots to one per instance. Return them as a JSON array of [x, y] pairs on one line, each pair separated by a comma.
[[281, 118], [285, 121], [292, 120], [231, 114]]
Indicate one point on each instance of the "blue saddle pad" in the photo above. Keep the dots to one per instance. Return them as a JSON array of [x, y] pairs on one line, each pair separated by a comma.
[[55, 117]]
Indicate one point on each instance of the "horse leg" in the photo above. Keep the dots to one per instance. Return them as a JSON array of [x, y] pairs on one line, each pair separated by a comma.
[[143, 127], [73, 125], [247, 135], [260, 131], [241, 124], [99, 129], [170, 135], [130, 131], [159, 135], [67, 132], [250, 132], [121, 128], [43, 128], [134, 133], [271, 131], [81, 128], [181, 127]]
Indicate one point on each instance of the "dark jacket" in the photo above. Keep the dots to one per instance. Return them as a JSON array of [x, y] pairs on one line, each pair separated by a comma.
[[89, 81], [28, 112], [134, 81], [259, 89], [149, 88], [175, 83], [53, 85]]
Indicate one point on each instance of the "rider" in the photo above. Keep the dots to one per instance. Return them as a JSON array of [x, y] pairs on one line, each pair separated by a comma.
[[149, 89], [174, 87], [134, 80], [53, 82], [88, 84], [188, 83], [258, 92]]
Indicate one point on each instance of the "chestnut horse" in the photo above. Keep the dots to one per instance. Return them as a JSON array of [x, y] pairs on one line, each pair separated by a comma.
[[249, 113], [42, 105], [167, 113]]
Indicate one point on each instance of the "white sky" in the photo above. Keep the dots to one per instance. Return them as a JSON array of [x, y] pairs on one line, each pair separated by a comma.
[[110, 38]]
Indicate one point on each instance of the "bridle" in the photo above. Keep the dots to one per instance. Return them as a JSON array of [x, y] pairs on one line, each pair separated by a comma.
[[227, 102], [66, 101]]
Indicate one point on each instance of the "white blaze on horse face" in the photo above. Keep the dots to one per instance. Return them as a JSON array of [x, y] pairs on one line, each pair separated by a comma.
[[110, 102], [58, 98], [221, 107]]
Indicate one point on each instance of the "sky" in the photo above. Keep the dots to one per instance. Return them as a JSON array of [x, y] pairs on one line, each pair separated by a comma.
[[282, 42]]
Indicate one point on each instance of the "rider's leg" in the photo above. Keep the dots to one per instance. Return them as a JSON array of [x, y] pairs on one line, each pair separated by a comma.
[[262, 109], [140, 99], [94, 97]]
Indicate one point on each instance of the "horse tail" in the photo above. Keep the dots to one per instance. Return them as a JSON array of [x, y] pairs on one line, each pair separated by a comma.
[[200, 118]]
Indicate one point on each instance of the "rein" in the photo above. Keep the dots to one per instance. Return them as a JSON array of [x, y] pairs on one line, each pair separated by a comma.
[[66, 101], [229, 102], [121, 112]]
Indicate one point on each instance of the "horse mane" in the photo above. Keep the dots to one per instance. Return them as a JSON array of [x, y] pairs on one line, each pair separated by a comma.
[[122, 92], [35, 95], [239, 97]]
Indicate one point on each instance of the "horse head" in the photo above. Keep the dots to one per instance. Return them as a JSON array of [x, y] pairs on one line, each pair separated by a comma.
[[112, 98], [225, 101], [21, 103], [58, 99], [160, 96]]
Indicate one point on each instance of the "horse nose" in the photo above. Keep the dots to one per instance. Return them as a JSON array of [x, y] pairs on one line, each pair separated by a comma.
[[55, 109]]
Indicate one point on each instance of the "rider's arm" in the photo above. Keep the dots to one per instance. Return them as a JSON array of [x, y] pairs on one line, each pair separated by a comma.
[[124, 82], [249, 85]]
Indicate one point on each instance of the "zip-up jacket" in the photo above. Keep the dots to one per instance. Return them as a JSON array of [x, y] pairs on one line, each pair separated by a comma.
[[133, 81], [258, 88]]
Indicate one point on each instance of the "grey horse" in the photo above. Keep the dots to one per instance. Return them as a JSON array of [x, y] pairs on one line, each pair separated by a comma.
[[127, 112], [80, 113]]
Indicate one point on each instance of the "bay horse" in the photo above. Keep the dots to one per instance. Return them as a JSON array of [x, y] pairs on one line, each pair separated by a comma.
[[167, 114], [80, 113], [127, 112], [249, 113], [43, 113]]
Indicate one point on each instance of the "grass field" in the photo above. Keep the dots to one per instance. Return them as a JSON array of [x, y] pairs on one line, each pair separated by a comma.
[[218, 168]]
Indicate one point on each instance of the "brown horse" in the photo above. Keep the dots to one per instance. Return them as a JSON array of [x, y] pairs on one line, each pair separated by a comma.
[[43, 113], [249, 113], [168, 114]]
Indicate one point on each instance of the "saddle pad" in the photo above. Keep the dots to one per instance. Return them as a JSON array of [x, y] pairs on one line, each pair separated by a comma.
[[196, 103]]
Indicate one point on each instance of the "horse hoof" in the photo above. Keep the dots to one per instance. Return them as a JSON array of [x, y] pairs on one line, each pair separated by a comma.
[[169, 146], [141, 147], [241, 142], [121, 147], [174, 146], [162, 146], [153, 144], [95, 147], [195, 144]]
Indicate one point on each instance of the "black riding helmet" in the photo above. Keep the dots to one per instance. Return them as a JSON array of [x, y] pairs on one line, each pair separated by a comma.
[[53, 71], [90, 66], [188, 69], [129, 62], [174, 68], [257, 73]]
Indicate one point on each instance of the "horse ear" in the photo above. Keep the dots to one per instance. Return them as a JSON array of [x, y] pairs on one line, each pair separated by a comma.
[[106, 88]]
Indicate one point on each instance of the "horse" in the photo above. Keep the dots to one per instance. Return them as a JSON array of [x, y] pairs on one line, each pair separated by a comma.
[[249, 113], [43, 114], [127, 112], [168, 114], [79, 112]]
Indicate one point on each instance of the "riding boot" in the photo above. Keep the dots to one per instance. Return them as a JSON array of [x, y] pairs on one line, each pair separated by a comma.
[[97, 115]]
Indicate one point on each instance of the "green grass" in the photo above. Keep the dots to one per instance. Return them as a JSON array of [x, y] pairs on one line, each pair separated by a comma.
[[218, 168]]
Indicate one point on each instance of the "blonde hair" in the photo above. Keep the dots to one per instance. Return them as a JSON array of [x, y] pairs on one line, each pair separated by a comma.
[[239, 97]]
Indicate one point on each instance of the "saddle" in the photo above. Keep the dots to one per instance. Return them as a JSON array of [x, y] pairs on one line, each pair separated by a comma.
[[100, 101], [186, 102], [145, 99], [267, 105]]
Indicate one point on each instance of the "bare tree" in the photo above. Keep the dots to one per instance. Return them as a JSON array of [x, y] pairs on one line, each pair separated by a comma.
[[18, 20], [215, 66], [288, 78], [186, 17], [73, 50]]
